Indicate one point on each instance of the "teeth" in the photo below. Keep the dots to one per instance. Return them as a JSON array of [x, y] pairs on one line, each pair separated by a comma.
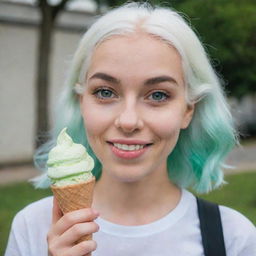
[[128, 147]]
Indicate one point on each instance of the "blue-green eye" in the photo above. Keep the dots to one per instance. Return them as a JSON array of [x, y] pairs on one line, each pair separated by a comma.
[[104, 94], [158, 96]]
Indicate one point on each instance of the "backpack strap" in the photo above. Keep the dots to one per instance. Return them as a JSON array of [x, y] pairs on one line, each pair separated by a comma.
[[211, 228]]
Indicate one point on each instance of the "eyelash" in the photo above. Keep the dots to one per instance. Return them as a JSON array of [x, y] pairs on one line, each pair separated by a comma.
[[165, 94], [97, 92]]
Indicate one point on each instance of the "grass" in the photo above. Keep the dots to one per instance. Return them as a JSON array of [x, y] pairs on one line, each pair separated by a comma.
[[239, 194], [13, 198]]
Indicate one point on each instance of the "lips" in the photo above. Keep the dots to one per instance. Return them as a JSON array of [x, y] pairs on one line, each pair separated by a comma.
[[128, 149]]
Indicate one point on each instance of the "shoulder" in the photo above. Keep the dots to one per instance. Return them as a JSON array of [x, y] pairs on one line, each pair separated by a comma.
[[39, 210], [239, 232], [29, 229], [38, 207], [233, 218]]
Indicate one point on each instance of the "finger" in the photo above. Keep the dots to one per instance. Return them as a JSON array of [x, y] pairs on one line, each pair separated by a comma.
[[56, 211], [74, 217], [77, 231], [83, 248]]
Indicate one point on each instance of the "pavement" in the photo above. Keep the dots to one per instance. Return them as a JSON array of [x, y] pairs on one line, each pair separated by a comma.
[[12, 174], [243, 159]]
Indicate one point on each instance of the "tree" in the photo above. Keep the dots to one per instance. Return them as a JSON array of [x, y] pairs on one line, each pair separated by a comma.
[[227, 28], [48, 14]]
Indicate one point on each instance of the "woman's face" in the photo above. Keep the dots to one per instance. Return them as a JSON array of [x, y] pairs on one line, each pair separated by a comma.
[[134, 105]]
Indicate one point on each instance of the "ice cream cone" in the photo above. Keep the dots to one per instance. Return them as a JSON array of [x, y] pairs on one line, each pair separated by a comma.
[[74, 197], [70, 171]]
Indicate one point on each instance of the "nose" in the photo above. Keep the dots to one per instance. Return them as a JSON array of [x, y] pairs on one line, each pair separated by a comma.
[[129, 119]]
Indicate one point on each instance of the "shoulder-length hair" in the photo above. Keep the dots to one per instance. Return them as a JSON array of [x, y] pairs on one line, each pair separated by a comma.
[[197, 159]]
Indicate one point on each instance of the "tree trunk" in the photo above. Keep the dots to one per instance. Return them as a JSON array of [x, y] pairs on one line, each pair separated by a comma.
[[43, 72], [49, 14]]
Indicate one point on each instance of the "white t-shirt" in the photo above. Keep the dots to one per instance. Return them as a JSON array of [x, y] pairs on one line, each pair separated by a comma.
[[176, 234]]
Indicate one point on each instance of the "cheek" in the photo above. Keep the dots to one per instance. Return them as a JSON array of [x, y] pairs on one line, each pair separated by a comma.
[[167, 129], [167, 124], [96, 120], [167, 133], [91, 123]]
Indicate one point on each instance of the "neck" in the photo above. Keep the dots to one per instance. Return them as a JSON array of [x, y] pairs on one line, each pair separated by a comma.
[[135, 203]]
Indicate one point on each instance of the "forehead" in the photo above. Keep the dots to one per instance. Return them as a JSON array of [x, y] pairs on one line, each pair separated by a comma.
[[135, 54], [136, 43]]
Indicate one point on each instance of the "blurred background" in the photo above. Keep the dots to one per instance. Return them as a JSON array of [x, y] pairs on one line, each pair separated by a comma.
[[37, 40]]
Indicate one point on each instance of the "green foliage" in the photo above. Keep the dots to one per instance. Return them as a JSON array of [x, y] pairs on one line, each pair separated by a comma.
[[239, 194], [227, 28]]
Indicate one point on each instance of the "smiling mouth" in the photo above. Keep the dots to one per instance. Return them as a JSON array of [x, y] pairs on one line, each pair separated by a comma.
[[126, 147]]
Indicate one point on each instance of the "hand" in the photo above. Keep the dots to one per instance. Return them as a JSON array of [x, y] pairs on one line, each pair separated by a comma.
[[67, 229]]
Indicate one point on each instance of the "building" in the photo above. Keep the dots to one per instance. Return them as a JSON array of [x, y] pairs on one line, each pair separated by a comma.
[[18, 57]]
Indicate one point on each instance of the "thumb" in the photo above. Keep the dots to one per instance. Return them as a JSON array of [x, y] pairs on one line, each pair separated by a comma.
[[56, 211]]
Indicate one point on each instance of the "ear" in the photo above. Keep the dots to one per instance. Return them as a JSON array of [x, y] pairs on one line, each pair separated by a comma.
[[79, 93], [188, 115]]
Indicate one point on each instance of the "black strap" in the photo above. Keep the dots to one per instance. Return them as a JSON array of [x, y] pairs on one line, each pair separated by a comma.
[[211, 228]]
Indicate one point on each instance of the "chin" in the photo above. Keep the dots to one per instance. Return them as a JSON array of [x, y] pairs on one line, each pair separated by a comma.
[[129, 176]]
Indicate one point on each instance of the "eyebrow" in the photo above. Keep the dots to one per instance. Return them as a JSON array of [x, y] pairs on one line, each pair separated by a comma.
[[160, 79], [105, 77], [149, 81]]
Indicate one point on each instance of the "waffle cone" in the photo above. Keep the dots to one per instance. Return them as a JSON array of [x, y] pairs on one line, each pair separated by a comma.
[[74, 197]]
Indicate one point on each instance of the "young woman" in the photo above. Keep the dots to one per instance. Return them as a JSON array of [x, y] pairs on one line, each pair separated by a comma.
[[144, 99]]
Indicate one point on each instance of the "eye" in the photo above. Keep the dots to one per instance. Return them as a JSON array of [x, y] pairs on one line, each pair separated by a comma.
[[158, 96], [104, 93]]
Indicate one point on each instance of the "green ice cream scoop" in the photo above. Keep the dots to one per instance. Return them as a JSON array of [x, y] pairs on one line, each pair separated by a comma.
[[68, 162]]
